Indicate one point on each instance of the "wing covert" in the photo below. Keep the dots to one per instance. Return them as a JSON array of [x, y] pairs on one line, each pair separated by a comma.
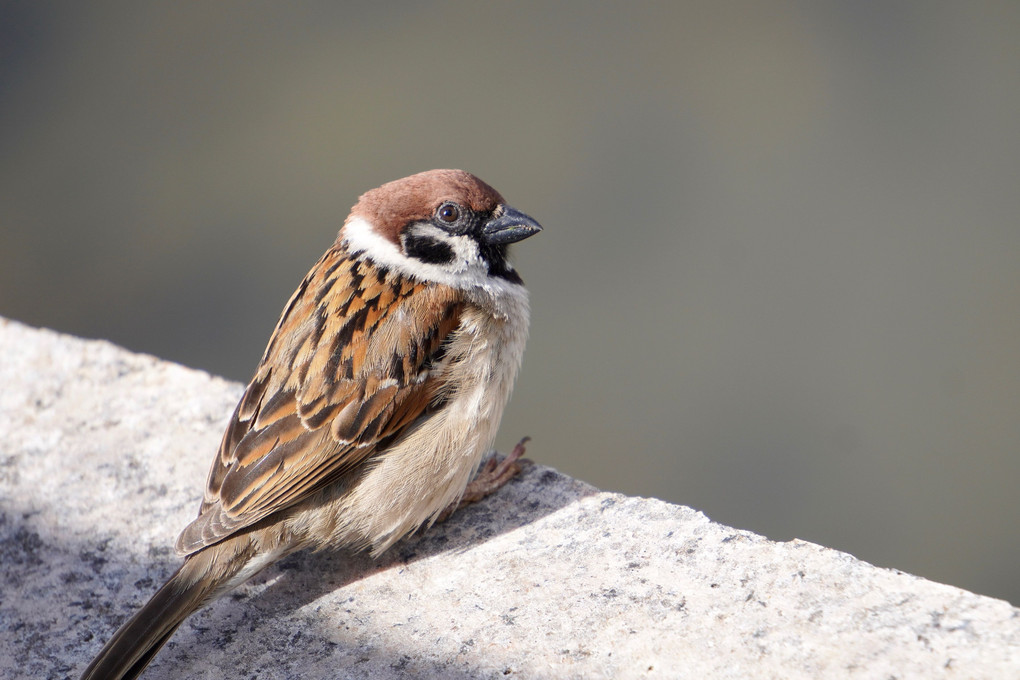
[[351, 363]]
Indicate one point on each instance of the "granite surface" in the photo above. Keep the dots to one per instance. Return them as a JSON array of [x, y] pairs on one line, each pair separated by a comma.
[[103, 456]]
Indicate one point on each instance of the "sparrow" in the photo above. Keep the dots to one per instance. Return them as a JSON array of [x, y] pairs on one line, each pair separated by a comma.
[[380, 390]]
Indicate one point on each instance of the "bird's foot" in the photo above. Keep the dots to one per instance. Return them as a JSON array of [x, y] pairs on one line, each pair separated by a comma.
[[493, 475]]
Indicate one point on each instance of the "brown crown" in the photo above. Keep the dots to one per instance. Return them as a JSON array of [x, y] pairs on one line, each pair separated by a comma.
[[396, 204]]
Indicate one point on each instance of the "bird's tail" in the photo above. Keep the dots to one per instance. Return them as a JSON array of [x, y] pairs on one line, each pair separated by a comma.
[[134, 645]]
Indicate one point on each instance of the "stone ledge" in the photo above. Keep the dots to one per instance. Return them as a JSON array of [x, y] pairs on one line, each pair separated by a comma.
[[103, 454]]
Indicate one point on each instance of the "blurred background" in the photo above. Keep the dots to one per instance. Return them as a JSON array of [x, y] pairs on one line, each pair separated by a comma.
[[780, 276]]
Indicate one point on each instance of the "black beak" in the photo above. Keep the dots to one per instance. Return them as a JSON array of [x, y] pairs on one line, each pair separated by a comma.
[[509, 226]]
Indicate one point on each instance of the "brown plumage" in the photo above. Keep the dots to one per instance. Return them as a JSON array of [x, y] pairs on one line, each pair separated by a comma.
[[380, 388], [343, 372]]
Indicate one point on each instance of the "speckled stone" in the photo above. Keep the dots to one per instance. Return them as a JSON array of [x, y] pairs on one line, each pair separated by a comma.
[[103, 456]]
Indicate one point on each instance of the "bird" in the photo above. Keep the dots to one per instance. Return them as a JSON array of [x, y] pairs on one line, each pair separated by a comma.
[[378, 394]]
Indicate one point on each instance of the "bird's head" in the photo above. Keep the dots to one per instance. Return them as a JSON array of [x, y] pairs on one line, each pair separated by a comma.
[[446, 226]]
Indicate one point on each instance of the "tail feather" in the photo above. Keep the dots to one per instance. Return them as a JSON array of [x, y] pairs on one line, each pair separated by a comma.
[[134, 645]]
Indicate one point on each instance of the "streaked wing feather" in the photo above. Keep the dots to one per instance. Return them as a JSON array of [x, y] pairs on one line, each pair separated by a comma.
[[346, 368]]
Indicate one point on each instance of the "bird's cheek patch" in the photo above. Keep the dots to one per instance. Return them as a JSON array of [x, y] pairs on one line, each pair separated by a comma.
[[427, 248]]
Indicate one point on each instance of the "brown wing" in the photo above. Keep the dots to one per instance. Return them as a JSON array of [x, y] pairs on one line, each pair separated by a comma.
[[347, 367]]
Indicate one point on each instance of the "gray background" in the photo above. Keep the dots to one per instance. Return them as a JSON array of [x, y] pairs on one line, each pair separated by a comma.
[[780, 277]]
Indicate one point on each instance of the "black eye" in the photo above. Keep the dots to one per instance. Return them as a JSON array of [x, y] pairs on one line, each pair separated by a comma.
[[448, 212]]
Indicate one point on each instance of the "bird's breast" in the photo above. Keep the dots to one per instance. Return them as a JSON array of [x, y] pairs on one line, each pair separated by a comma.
[[427, 468]]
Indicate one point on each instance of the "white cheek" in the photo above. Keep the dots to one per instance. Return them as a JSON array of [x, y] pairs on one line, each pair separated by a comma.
[[467, 272], [465, 250]]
